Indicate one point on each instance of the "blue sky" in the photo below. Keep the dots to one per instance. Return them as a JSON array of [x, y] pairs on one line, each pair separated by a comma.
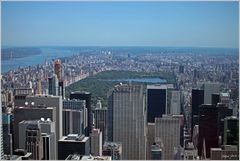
[[188, 24]]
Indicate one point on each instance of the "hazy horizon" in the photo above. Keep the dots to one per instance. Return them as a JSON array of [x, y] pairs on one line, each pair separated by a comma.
[[164, 24]]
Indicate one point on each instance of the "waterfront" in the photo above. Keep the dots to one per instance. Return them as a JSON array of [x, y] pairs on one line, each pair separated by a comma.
[[48, 54]]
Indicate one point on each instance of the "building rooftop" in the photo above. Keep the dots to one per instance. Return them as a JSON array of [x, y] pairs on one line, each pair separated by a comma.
[[74, 138], [225, 94], [86, 157], [73, 157], [111, 145]]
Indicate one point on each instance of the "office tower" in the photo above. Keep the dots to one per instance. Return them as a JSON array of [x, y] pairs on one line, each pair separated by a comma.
[[59, 72], [167, 130], [7, 98], [50, 101], [31, 113], [30, 138], [225, 98], [209, 89], [25, 91], [112, 149], [231, 131], [73, 144], [227, 152], [208, 119], [156, 102], [7, 120], [81, 95], [58, 69], [150, 138], [20, 95], [195, 135], [223, 112], [110, 118], [197, 100], [96, 142], [80, 106], [156, 152], [74, 104], [215, 99], [48, 134], [128, 120], [100, 115], [181, 120], [73, 122], [61, 89], [175, 107], [53, 85], [181, 69]]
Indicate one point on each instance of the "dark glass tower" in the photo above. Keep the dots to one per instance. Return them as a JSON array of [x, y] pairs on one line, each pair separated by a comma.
[[215, 99], [197, 100], [208, 130], [156, 103], [223, 112], [82, 95]]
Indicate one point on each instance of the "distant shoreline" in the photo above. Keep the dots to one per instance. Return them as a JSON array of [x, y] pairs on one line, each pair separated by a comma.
[[19, 52]]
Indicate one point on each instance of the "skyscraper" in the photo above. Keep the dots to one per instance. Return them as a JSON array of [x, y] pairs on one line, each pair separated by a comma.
[[81, 95], [53, 85], [48, 134], [75, 106], [208, 119], [31, 113], [215, 99], [223, 112], [167, 131], [59, 72], [231, 131], [197, 100], [50, 101], [96, 142], [73, 122], [73, 144], [175, 103], [100, 115], [7, 120], [30, 138], [128, 120], [156, 102], [209, 89], [150, 139]]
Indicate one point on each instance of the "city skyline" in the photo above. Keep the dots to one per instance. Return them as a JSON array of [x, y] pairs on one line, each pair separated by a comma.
[[176, 24]]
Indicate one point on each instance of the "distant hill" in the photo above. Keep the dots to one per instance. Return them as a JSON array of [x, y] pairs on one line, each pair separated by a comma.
[[19, 52]]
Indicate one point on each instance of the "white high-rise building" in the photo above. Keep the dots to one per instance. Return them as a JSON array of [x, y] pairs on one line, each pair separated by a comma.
[[167, 131], [175, 103], [209, 89], [96, 142], [129, 120]]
